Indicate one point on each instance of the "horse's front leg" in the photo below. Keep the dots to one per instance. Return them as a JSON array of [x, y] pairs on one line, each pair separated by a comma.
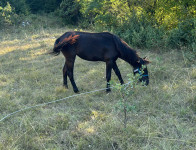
[[65, 76], [117, 71], [109, 65]]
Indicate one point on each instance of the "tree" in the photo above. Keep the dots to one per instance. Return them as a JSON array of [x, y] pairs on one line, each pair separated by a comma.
[[18, 6], [69, 11]]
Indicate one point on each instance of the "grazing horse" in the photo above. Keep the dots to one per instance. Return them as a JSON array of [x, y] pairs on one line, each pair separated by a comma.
[[97, 47]]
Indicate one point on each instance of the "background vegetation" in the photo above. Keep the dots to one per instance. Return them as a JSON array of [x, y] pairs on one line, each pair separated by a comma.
[[142, 23], [161, 116]]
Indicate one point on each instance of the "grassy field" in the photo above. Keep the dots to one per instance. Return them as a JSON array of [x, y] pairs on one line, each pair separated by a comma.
[[164, 117]]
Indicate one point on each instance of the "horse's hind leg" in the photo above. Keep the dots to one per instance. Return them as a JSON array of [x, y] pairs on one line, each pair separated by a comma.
[[117, 71], [65, 76], [70, 66]]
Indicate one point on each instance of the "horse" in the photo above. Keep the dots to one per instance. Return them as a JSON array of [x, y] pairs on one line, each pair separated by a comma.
[[102, 46]]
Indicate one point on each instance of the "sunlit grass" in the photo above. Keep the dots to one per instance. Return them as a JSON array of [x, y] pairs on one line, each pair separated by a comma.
[[18, 47]]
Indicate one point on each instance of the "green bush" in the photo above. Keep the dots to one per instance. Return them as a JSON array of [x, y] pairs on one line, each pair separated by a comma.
[[5, 15], [183, 35], [141, 33], [18, 6]]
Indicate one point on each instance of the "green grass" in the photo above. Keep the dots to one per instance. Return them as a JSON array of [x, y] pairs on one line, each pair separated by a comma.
[[164, 115]]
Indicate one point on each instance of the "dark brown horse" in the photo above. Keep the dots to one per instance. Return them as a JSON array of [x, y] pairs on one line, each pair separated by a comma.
[[97, 47]]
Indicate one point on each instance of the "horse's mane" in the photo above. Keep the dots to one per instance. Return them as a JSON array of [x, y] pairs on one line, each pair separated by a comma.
[[136, 53], [127, 53]]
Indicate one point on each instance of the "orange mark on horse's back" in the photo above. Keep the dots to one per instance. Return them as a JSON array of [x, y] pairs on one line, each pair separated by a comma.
[[74, 38], [71, 39]]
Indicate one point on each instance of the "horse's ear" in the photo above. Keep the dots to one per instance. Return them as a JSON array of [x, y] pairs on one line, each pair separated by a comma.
[[146, 61]]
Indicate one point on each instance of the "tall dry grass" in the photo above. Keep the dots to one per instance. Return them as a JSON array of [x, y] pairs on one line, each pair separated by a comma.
[[163, 118]]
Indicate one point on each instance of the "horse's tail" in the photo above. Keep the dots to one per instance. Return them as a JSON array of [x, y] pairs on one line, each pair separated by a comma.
[[62, 42], [57, 48]]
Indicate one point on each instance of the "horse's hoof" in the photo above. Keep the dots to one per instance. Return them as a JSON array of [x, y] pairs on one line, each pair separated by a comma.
[[76, 91], [108, 90], [65, 86]]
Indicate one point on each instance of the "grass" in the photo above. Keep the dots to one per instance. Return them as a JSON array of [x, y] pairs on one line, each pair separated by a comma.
[[164, 115]]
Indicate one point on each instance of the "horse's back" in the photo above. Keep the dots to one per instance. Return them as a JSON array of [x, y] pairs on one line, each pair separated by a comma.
[[95, 46]]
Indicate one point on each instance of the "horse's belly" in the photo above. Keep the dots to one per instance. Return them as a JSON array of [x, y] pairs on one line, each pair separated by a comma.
[[91, 58]]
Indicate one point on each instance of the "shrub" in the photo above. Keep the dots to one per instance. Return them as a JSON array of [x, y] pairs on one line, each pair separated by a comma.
[[183, 35], [5, 15], [139, 32]]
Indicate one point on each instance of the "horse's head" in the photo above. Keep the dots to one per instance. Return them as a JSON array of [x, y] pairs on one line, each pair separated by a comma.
[[141, 69]]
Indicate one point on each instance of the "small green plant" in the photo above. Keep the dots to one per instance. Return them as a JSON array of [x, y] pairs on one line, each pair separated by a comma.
[[127, 92]]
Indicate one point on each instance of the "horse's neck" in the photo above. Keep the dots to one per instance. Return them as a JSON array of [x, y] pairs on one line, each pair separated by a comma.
[[129, 56]]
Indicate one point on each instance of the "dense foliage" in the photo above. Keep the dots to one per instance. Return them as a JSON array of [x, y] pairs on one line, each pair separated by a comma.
[[142, 23], [5, 14]]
